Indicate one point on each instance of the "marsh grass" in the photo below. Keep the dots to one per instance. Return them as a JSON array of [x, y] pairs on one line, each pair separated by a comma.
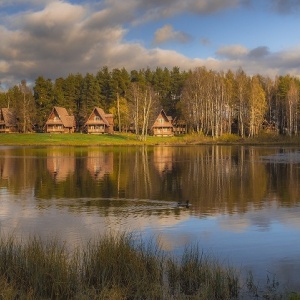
[[198, 275], [118, 266]]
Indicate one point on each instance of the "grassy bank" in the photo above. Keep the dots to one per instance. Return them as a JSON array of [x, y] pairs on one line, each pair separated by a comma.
[[117, 267], [77, 139]]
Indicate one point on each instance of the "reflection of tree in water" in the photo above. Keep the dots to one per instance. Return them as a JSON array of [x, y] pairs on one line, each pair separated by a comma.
[[165, 162], [224, 179], [17, 172], [285, 179], [213, 178]]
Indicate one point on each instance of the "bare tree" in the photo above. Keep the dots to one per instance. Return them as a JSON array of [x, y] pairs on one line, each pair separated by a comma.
[[242, 90], [25, 107], [143, 100], [257, 106], [292, 100]]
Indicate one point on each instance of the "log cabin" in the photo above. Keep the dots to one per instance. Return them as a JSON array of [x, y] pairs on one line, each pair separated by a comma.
[[59, 121], [163, 125], [99, 122], [8, 121]]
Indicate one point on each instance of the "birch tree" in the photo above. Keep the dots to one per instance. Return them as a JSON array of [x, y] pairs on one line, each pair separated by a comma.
[[257, 106], [143, 101], [242, 90], [193, 101], [24, 107], [292, 100]]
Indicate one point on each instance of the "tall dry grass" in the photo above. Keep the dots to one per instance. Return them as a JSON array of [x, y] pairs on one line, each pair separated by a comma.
[[117, 267]]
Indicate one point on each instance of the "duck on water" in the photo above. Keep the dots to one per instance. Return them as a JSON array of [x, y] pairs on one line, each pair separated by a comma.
[[184, 204]]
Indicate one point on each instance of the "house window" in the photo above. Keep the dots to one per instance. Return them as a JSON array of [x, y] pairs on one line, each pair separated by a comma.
[[56, 118], [161, 120], [97, 118]]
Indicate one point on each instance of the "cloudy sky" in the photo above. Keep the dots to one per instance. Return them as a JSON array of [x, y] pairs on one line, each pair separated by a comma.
[[55, 38]]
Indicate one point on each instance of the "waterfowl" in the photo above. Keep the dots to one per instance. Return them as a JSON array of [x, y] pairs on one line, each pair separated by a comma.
[[184, 204]]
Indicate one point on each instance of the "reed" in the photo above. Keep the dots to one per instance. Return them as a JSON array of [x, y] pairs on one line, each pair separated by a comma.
[[196, 274], [117, 262], [38, 268], [118, 266]]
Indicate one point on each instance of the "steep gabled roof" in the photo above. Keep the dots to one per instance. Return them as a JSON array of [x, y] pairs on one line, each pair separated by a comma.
[[8, 117], [167, 120], [99, 111], [66, 119]]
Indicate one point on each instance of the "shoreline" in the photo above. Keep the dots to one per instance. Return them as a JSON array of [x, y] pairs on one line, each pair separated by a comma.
[[125, 139]]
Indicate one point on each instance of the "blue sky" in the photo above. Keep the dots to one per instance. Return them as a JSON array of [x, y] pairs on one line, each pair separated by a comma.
[[55, 38]]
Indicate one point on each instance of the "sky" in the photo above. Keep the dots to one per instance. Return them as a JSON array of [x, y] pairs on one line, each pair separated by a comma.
[[53, 39]]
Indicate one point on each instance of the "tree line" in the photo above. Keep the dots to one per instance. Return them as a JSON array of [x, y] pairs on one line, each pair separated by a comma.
[[212, 103]]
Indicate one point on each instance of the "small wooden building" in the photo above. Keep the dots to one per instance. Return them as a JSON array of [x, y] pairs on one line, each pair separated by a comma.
[[179, 126], [8, 122], [99, 122], [59, 121], [163, 125]]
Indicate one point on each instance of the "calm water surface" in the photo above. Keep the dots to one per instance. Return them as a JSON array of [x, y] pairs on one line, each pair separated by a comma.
[[245, 200]]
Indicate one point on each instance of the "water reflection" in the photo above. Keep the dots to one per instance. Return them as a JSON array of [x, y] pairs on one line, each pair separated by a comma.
[[213, 179], [245, 200], [100, 163], [60, 164]]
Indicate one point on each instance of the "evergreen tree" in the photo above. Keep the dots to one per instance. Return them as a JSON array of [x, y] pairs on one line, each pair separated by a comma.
[[72, 94], [104, 80], [44, 100], [58, 92], [89, 98], [119, 83]]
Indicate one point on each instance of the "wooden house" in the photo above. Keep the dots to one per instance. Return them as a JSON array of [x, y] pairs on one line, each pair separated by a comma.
[[59, 121], [163, 125], [99, 122], [8, 121], [179, 126]]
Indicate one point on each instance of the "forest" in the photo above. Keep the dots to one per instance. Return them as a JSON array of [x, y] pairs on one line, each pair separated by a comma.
[[211, 103]]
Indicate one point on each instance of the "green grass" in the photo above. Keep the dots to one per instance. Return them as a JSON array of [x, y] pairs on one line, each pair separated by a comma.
[[118, 267], [77, 139]]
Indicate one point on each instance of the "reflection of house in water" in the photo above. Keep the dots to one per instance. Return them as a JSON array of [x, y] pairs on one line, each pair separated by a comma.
[[8, 166], [100, 163], [60, 164], [163, 159]]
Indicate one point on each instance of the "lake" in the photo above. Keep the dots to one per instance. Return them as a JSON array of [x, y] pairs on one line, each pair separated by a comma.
[[245, 200]]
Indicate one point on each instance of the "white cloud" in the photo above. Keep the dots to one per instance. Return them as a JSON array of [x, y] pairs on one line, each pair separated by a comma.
[[167, 33], [57, 38], [232, 51], [155, 10]]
